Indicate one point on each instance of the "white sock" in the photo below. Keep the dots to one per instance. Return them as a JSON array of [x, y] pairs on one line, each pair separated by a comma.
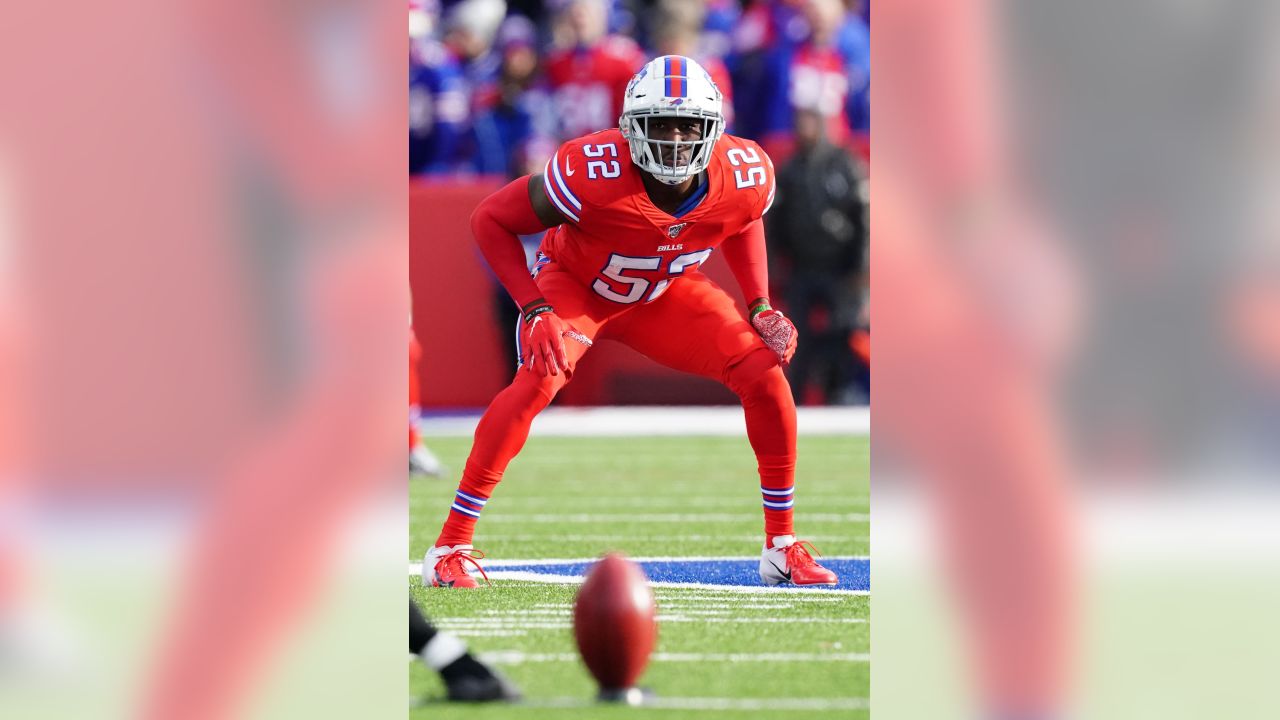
[[782, 541], [442, 651]]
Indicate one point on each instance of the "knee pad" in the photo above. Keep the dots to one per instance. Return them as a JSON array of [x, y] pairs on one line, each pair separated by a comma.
[[532, 385], [757, 374]]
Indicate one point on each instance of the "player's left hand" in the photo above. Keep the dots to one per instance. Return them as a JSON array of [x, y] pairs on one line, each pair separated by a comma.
[[778, 333]]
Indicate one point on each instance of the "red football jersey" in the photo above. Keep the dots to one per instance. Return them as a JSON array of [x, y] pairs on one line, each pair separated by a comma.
[[587, 85], [618, 242]]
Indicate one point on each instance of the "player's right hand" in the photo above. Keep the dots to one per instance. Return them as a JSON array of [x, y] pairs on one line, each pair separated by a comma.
[[542, 341]]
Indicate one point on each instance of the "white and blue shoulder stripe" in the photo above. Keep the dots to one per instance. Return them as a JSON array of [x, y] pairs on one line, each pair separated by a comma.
[[558, 191]]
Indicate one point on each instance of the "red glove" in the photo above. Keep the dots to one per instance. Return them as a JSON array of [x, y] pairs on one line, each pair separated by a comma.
[[777, 332], [542, 340]]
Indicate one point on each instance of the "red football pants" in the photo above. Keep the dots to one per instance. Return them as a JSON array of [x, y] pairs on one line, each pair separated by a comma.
[[694, 327]]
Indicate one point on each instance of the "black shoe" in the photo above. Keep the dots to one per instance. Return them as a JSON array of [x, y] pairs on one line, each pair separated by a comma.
[[469, 680]]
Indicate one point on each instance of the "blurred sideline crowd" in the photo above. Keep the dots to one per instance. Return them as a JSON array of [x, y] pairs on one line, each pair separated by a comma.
[[496, 86]]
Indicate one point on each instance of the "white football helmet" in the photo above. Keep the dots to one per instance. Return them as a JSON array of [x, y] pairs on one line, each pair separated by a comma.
[[671, 86]]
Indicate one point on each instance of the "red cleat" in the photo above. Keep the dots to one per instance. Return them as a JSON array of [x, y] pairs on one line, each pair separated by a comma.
[[789, 561], [445, 566]]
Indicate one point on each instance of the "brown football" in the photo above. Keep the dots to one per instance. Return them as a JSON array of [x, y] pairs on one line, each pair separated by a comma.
[[613, 621]]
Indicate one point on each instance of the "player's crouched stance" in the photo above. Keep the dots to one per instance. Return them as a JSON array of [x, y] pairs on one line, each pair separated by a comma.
[[622, 263]]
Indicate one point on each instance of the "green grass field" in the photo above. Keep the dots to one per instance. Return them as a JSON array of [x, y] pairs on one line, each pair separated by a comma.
[[722, 653]]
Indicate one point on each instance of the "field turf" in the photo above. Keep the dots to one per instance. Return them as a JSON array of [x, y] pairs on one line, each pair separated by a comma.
[[723, 651]]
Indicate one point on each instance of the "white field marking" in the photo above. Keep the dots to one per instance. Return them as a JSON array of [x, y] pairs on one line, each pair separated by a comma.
[[695, 703], [540, 615], [648, 558], [719, 608], [683, 608], [712, 600], [681, 617], [663, 517], [489, 633], [545, 624], [662, 502], [633, 421], [662, 703], [563, 610], [551, 534], [499, 620], [745, 589], [712, 611], [517, 657], [530, 577], [416, 568], [727, 597]]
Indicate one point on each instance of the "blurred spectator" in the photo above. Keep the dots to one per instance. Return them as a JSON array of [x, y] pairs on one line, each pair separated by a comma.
[[442, 80], [514, 121], [675, 31], [559, 67], [819, 70], [423, 15], [818, 226], [853, 41], [722, 18], [764, 26], [589, 74]]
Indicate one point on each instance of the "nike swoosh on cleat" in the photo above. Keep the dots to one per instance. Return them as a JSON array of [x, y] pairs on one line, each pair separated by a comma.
[[784, 573]]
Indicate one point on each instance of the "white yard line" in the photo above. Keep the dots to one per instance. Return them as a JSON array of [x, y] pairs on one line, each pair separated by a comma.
[[668, 538], [517, 657], [702, 596], [682, 617], [616, 518], [494, 568], [718, 501], [545, 624], [499, 563], [759, 704], [744, 589], [696, 703]]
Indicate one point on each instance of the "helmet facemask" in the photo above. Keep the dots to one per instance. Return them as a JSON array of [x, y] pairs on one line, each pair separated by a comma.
[[652, 155]]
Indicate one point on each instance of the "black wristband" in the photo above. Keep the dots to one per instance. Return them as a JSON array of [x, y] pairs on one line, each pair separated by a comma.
[[532, 304], [537, 310]]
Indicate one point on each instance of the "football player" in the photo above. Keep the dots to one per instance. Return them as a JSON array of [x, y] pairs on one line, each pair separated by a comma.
[[635, 211]]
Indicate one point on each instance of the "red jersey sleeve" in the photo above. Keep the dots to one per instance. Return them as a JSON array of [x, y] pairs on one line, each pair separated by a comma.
[[747, 176]]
